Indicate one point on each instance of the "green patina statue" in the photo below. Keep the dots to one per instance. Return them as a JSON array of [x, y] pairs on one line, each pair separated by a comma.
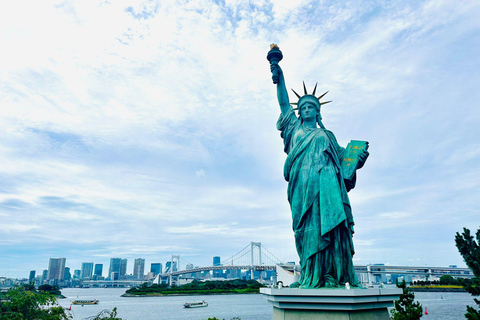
[[315, 169]]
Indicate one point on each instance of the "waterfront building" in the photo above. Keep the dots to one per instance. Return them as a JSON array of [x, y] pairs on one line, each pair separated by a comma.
[[156, 268], [98, 270], [139, 269], [31, 277], [119, 266], [44, 276], [362, 277], [378, 277], [287, 273], [123, 269], [115, 264], [76, 274], [56, 269], [234, 274], [87, 270], [68, 275], [216, 263]]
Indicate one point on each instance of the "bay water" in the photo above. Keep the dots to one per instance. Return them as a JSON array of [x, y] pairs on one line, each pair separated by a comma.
[[440, 305]]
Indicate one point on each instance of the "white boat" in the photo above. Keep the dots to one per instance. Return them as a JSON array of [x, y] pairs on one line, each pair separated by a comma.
[[196, 304], [83, 302]]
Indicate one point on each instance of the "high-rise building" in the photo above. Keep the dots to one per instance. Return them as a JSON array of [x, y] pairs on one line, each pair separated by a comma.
[[44, 275], [76, 274], [156, 268], [56, 269], [31, 277], [123, 268], [114, 266], [68, 275], [139, 268], [216, 263], [98, 270], [119, 266], [87, 270]]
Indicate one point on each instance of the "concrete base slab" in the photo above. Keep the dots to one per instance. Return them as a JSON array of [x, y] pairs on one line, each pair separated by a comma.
[[330, 304]]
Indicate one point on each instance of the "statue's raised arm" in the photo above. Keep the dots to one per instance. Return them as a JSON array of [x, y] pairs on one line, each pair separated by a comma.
[[274, 56]]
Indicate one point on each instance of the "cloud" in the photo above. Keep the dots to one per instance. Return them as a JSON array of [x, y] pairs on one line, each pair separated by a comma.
[[201, 173], [17, 228], [158, 128]]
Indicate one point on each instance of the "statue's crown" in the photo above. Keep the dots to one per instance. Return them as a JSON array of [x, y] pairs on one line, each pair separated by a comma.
[[309, 97]]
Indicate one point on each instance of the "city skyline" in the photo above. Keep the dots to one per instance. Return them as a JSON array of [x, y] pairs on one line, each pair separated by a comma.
[[153, 265], [155, 134]]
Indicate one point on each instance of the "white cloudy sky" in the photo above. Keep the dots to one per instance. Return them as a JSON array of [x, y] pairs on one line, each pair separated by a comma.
[[147, 128]]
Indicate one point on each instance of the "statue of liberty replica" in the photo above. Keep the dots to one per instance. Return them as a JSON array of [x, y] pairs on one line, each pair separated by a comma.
[[320, 173]]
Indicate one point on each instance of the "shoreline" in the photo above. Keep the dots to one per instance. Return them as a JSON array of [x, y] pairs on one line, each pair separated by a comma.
[[436, 289], [129, 295]]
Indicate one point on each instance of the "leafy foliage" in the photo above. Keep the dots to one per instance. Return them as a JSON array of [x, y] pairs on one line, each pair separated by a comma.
[[446, 280], [112, 316], [207, 287], [55, 290], [470, 251], [24, 302], [405, 307]]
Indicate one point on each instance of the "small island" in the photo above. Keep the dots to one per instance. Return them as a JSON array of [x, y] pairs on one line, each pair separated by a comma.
[[446, 283], [196, 287]]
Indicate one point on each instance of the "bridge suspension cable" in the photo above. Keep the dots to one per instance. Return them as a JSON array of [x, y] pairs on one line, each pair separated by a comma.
[[272, 257], [247, 256]]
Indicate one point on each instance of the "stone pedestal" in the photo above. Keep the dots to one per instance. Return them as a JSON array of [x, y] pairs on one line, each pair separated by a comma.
[[330, 304]]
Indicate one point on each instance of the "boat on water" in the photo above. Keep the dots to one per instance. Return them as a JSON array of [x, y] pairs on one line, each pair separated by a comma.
[[84, 302], [196, 304]]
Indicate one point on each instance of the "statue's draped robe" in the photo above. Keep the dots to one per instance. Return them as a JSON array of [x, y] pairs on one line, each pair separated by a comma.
[[322, 217]]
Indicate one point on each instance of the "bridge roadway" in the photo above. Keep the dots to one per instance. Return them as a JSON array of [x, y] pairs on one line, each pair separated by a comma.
[[373, 269], [421, 271], [255, 268]]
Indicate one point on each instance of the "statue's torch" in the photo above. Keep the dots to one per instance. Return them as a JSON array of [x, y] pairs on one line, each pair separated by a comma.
[[274, 56]]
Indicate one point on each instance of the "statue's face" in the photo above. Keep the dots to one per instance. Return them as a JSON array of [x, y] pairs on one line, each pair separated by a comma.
[[308, 111]]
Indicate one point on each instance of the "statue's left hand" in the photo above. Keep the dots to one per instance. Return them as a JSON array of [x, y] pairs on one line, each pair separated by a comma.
[[362, 157]]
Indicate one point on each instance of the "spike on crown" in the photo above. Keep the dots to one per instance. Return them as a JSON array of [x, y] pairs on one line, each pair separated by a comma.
[[310, 97]]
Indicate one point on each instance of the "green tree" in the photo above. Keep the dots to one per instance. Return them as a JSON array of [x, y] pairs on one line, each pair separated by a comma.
[[447, 280], [470, 251], [25, 303], [55, 290], [405, 307]]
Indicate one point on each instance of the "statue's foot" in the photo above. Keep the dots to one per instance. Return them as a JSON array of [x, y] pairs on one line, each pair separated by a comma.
[[295, 285]]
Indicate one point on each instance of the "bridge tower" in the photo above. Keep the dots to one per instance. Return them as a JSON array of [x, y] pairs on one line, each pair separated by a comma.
[[252, 263], [177, 258]]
